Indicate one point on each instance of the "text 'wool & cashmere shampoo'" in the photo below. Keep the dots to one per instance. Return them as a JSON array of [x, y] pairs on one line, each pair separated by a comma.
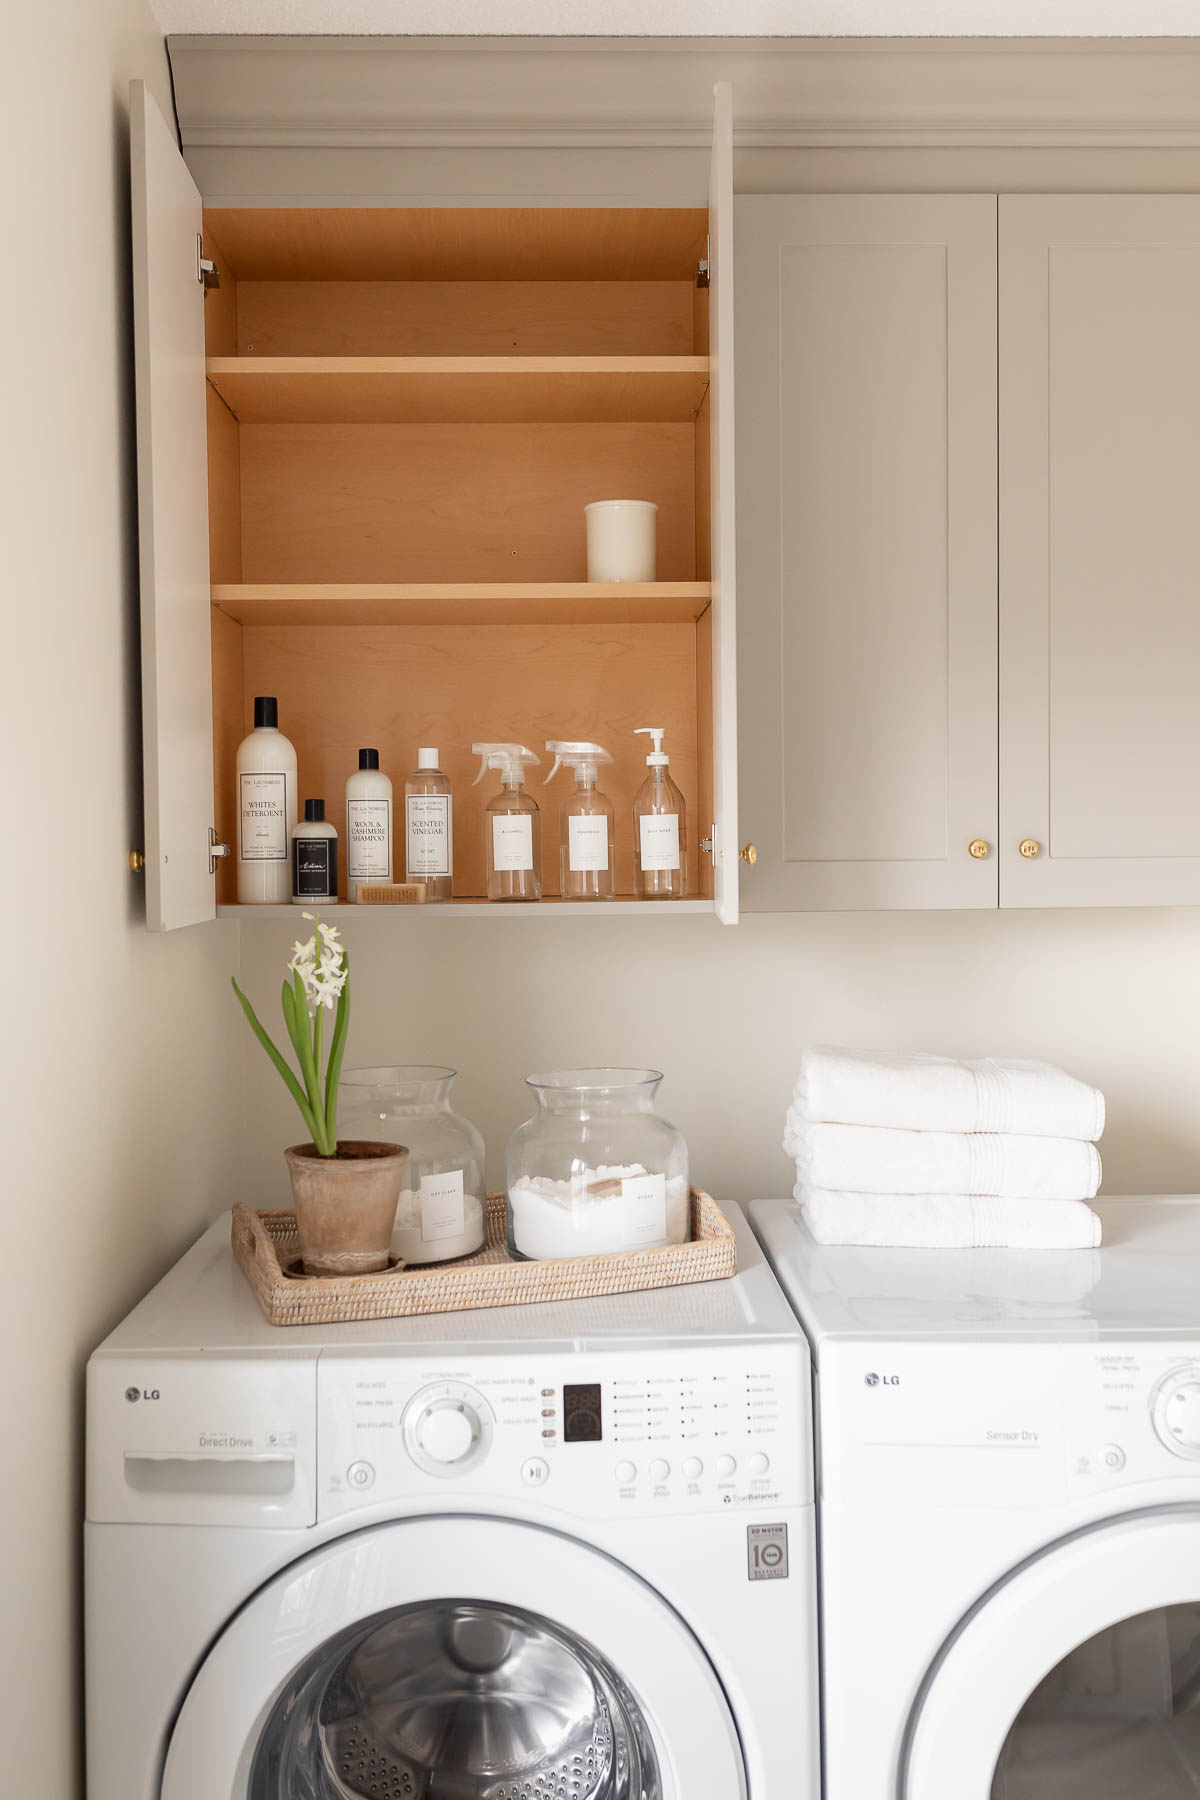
[[368, 824]]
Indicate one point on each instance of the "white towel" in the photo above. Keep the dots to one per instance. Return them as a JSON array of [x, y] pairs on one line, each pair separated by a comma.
[[950, 1222], [874, 1159], [936, 1093]]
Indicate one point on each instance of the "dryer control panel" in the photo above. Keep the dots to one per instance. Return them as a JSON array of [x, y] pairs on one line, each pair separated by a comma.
[[1008, 1424], [632, 1431]]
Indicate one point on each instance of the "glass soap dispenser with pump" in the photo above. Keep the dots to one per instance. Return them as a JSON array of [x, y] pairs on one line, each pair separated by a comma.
[[586, 838], [512, 824], [659, 828]]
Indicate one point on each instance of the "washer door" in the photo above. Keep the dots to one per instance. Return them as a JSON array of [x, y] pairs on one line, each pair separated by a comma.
[[455, 1659], [1078, 1678]]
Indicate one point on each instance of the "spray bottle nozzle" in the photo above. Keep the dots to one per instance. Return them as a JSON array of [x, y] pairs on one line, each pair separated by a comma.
[[657, 759], [583, 758], [511, 760]]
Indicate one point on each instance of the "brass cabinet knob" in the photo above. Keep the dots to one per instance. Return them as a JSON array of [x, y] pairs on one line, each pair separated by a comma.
[[978, 848], [749, 854], [1029, 847], [137, 861]]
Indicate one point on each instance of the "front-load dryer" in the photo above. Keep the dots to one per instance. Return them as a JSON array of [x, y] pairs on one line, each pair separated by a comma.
[[538, 1553], [1008, 1447]]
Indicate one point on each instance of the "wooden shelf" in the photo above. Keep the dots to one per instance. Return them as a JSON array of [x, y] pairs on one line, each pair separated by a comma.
[[460, 390], [466, 603], [552, 906]]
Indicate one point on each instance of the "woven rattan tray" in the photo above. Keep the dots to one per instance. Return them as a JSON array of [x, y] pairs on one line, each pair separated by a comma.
[[265, 1245]]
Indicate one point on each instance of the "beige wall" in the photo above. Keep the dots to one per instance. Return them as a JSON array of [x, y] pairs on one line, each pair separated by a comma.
[[725, 1012], [115, 1093]]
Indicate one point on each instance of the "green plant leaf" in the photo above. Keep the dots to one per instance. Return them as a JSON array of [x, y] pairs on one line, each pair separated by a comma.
[[337, 1049], [292, 1085]]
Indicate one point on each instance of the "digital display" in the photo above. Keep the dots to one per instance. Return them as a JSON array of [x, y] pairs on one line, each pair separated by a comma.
[[583, 1418]]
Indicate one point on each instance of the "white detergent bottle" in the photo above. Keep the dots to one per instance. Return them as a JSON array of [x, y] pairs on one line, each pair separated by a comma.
[[512, 824], [585, 851], [659, 828], [267, 809]]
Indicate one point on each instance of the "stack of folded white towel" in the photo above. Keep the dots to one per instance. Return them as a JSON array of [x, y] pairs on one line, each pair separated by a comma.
[[924, 1151]]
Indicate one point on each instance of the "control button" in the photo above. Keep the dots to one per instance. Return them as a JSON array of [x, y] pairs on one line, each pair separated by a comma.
[[693, 1468], [446, 1434], [759, 1463], [1175, 1410], [535, 1472], [659, 1469], [1112, 1456], [726, 1466], [625, 1472], [360, 1475], [447, 1428]]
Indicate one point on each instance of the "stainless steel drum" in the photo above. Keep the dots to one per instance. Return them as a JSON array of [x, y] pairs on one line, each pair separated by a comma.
[[456, 1700]]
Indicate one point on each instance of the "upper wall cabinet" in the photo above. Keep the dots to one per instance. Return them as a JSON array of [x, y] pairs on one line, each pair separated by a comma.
[[382, 523], [1099, 619], [866, 459]]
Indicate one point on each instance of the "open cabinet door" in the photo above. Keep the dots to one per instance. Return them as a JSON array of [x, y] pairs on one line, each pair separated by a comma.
[[168, 322], [724, 618]]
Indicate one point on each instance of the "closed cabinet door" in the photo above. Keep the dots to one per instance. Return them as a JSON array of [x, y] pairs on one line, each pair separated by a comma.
[[1099, 550], [866, 493]]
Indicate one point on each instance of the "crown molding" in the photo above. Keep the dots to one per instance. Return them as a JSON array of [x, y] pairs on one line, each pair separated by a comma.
[[798, 93]]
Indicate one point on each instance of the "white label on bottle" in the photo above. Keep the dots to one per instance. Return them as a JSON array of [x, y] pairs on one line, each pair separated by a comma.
[[588, 843], [660, 840], [369, 840], [512, 841], [264, 827], [429, 834], [443, 1210], [644, 1199]]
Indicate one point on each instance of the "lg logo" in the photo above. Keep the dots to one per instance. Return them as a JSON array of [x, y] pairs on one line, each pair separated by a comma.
[[874, 1380], [135, 1393]]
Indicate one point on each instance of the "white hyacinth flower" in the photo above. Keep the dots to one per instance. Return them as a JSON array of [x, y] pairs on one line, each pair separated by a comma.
[[321, 966]]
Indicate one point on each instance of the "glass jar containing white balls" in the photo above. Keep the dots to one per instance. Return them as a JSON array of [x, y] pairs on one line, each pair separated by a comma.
[[597, 1168]]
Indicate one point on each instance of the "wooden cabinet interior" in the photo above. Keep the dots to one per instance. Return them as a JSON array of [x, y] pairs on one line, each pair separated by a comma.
[[396, 503]]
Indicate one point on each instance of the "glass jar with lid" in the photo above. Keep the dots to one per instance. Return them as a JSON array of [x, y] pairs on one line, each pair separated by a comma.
[[443, 1208], [596, 1169]]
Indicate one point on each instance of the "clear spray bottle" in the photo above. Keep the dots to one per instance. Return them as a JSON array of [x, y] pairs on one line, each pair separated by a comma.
[[512, 824], [659, 828], [586, 839]]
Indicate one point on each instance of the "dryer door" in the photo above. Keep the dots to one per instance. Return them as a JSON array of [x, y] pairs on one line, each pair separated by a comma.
[[1078, 1676], [455, 1659]]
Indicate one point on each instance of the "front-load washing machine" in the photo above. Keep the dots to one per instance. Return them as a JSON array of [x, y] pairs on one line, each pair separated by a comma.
[[538, 1553], [1008, 1450]]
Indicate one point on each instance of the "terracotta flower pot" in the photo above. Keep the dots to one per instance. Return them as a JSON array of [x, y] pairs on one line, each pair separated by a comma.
[[345, 1205]]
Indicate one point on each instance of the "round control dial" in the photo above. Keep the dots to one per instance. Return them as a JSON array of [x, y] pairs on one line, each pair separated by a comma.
[[1175, 1410], [447, 1428]]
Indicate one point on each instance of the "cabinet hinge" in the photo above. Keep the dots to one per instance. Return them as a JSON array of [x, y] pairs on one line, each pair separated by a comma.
[[708, 845], [216, 850], [704, 267], [207, 272]]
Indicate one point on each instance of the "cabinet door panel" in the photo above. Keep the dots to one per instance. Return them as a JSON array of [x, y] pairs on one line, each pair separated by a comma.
[[177, 735], [721, 455], [867, 548], [1100, 627]]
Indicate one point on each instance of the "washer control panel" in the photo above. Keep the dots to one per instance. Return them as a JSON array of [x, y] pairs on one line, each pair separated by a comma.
[[632, 1430]]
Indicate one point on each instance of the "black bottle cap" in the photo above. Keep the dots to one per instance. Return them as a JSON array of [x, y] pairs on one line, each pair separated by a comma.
[[266, 711], [368, 759], [314, 811]]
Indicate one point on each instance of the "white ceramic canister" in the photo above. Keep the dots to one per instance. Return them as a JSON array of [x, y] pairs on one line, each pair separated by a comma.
[[621, 540], [442, 1209]]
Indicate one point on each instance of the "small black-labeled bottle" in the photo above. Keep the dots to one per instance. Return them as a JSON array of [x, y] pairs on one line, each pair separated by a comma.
[[314, 858]]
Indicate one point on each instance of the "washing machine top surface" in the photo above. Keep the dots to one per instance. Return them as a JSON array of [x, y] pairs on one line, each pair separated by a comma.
[[1143, 1280], [205, 1304]]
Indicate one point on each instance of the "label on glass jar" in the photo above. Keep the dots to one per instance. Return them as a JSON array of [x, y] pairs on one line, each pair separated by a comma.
[[443, 1210], [588, 843], [659, 840], [512, 841], [644, 1201], [314, 868], [263, 801], [427, 818], [369, 840]]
